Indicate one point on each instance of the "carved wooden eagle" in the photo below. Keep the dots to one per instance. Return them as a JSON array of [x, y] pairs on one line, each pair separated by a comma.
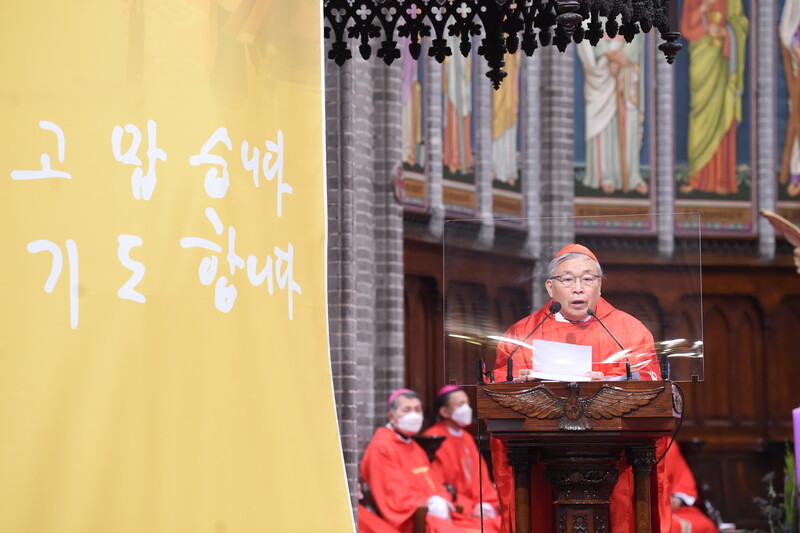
[[540, 402]]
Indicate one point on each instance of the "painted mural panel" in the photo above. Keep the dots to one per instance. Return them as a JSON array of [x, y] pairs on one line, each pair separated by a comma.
[[788, 108], [506, 145], [713, 123], [458, 132], [612, 131], [414, 178]]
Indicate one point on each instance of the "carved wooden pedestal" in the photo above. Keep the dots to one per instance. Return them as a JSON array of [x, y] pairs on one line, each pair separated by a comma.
[[580, 432], [581, 489]]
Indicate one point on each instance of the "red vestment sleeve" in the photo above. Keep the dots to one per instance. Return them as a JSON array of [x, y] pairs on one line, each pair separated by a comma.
[[369, 522], [679, 475], [459, 463], [680, 480]]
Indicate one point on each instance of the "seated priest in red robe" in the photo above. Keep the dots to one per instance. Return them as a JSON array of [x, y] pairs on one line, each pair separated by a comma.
[[458, 461], [576, 314], [400, 477], [686, 518]]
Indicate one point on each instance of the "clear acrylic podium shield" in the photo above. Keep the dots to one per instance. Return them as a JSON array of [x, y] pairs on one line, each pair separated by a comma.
[[663, 293], [501, 312]]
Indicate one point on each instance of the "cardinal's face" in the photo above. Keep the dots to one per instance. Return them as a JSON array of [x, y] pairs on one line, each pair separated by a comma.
[[576, 286]]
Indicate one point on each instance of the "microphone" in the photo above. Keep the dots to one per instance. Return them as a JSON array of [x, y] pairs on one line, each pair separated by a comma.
[[554, 308], [628, 374], [480, 369], [482, 373]]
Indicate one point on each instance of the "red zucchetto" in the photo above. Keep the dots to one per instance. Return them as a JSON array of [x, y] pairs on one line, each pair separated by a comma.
[[576, 248]]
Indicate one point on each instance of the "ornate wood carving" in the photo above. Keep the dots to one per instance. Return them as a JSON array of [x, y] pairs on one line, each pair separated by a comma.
[[520, 459], [608, 402], [642, 459], [504, 27], [581, 520], [581, 464], [583, 481]]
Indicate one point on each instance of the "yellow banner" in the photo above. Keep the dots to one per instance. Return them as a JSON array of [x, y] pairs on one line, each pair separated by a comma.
[[164, 363]]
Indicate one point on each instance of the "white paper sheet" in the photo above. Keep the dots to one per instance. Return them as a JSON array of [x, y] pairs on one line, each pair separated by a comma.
[[560, 361]]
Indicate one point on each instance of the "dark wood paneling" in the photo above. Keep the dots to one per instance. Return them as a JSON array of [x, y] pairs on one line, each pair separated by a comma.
[[423, 337], [783, 367], [736, 420], [730, 479], [642, 305], [732, 394], [467, 323]]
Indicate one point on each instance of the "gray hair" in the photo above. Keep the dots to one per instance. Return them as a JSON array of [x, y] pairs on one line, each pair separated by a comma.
[[405, 394], [551, 268]]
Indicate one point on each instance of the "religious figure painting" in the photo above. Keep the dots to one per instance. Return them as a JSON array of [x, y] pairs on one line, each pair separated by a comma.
[[505, 126], [614, 113], [507, 145], [412, 102], [716, 31], [789, 45], [458, 129], [457, 98], [412, 183]]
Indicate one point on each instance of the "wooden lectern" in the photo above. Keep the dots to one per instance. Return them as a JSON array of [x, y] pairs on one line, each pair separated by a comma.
[[579, 431]]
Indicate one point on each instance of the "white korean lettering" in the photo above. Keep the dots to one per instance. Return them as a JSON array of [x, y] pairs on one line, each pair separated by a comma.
[[286, 279], [257, 278], [234, 261], [43, 245], [280, 268], [276, 168], [224, 295], [46, 170], [216, 181], [128, 291], [142, 185], [251, 163]]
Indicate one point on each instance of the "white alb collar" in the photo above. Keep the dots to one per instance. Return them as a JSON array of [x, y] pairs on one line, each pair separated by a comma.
[[454, 431], [397, 433], [560, 318]]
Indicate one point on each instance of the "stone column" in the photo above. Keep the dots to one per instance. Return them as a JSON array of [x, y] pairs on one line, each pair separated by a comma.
[[764, 177], [433, 137], [531, 156], [389, 358], [663, 175], [483, 151], [340, 151], [557, 140]]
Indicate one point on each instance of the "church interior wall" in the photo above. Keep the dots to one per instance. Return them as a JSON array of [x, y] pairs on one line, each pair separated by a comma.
[[386, 288]]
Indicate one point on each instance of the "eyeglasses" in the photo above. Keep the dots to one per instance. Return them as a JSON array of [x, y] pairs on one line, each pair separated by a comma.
[[568, 280]]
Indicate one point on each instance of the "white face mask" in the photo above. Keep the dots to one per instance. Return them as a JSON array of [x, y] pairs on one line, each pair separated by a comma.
[[409, 424], [462, 415]]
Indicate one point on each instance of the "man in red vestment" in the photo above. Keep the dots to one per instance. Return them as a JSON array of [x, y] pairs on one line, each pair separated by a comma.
[[686, 518], [575, 281], [458, 461], [399, 475]]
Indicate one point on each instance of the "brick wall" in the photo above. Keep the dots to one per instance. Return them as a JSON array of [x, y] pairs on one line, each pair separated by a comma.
[[365, 243]]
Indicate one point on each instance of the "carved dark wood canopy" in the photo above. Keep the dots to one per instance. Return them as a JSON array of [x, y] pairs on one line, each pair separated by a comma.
[[504, 26]]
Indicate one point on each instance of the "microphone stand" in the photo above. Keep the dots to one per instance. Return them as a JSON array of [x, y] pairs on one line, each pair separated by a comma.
[[482, 373], [554, 308], [628, 373]]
